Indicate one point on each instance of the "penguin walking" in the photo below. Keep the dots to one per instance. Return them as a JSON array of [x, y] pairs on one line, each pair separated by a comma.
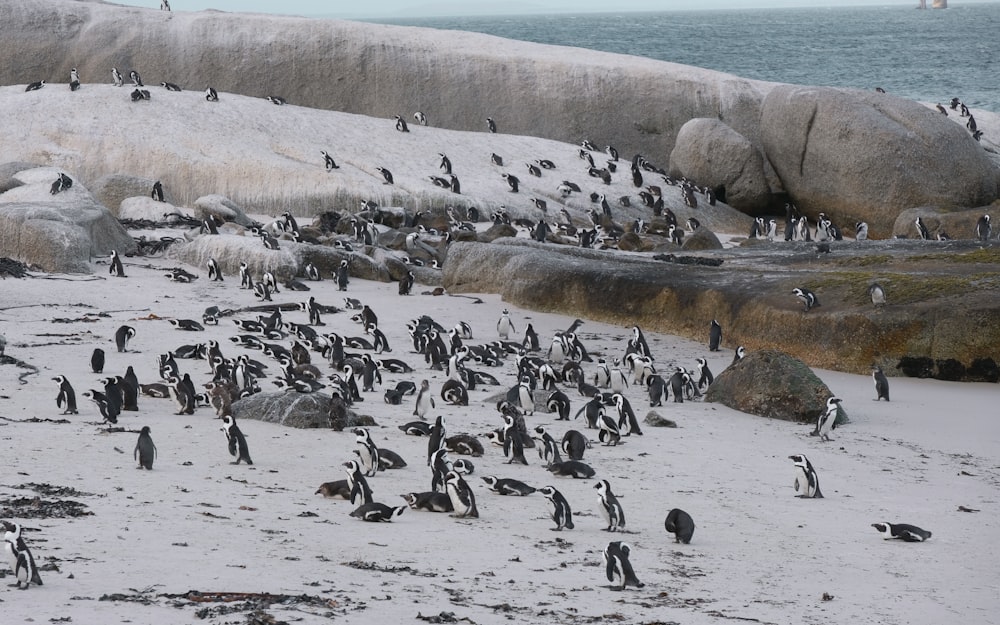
[[714, 336], [145, 450], [66, 399], [425, 400], [328, 160], [463, 500], [611, 509], [680, 524], [902, 531], [237, 441], [367, 451], [618, 567], [21, 560], [491, 125], [505, 327], [806, 478], [807, 297], [548, 450], [116, 77], [561, 512], [123, 335], [828, 420], [116, 268], [881, 383]]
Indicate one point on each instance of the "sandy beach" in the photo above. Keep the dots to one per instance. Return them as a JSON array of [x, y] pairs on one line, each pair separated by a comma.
[[197, 522]]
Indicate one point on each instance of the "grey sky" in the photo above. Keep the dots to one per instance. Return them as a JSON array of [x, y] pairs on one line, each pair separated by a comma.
[[417, 8]]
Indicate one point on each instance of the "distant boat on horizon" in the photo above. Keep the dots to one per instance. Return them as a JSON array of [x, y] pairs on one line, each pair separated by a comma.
[[935, 4]]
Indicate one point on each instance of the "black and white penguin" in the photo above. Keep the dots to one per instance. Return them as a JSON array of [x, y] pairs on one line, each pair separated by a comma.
[[401, 124], [680, 524], [463, 500], [406, 283], [188, 325], [328, 161], [116, 268], [806, 478], [513, 444], [611, 509], [548, 450], [66, 399], [828, 420], [618, 567], [740, 353], [97, 360], [861, 231], [386, 175], [983, 228], [237, 441], [211, 94], [214, 273], [368, 451], [574, 444], [513, 182], [705, 377], [276, 100], [877, 294], [169, 86], [157, 192], [714, 336], [420, 118], [145, 450], [807, 297], [122, 336], [429, 501], [491, 125], [74, 79], [508, 486], [116, 77], [902, 531], [375, 512], [922, 229], [22, 563], [505, 327], [559, 403], [425, 400], [572, 468], [881, 383], [135, 78], [35, 86], [561, 512]]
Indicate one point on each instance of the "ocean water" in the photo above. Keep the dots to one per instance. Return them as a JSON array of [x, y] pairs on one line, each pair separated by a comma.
[[929, 55]]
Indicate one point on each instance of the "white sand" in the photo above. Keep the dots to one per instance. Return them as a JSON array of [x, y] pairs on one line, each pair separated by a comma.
[[759, 554]]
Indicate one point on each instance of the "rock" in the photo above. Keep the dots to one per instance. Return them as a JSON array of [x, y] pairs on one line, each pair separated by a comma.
[[9, 170], [497, 231], [630, 242], [146, 208], [297, 410], [769, 383], [956, 223], [57, 233], [222, 208], [113, 189], [866, 156], [654, 419], [701, 239], [712, 154]]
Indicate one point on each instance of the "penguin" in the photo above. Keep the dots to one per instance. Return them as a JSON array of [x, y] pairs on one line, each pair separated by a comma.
[[406, 283], [377, 512], [211, 95], [463, 500], [714, 336], [189, 325], [524, 396], [806, 478], [738, 355], [706, 378], [491, 125], [881, 383], [144, 450], [401, 124], [561, 512], [435, 439], [122, 336], [608, 431], [386, 175], [505, 327], [574, 444], [828, 420], [572, 468], [328, 161], [169, 86], [548, 450], [513, 182], [657, 389], [902, 531], [425, 401], [922, 229], [513, 445], [369, 453], [35, 86], [618, 566], [807, 297], [430, 501], [507, 486], [877, 294], [983, 228], [611, 509], [135, 78], [116, 77], [66, 399], [343, 275], [559, 403], [22, 563], [116, 268], [157, 192], [276, 100], [237, 442], [130, 390], [861, 231], [680, 524], [74, 79]]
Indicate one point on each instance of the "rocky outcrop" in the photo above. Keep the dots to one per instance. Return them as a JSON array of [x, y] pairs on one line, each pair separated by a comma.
[[222, 209], [148, 209], [711, 153], [297, 410], [750, 293], [865, 156], [942, 220], [113, 189], [56, 232], [769, 383]]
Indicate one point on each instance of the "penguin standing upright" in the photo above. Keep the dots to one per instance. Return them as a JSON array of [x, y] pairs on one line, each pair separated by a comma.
[[343, 275], [513, 446], [122, 336], [116, 268], [157, 192], [525, 397], [435, 441], [881, 383], [367, 451], [21, 560], [618, 566], [237, 442], [66, 399], [214, 273], [611, 509], [680, 524], [505, 327], [561, 512], [145, 450], [97, 360], [806, 478], [828, 420], [983, 228], [463, 500], [714, 336], [425, 401]]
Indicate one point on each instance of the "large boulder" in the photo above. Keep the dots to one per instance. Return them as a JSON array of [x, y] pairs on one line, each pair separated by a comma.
[[222, 209], [57, 232], [944, 220], [769, 383], [112, 189], [297, 410], [144, 208], [866, 156], [712, 154]]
